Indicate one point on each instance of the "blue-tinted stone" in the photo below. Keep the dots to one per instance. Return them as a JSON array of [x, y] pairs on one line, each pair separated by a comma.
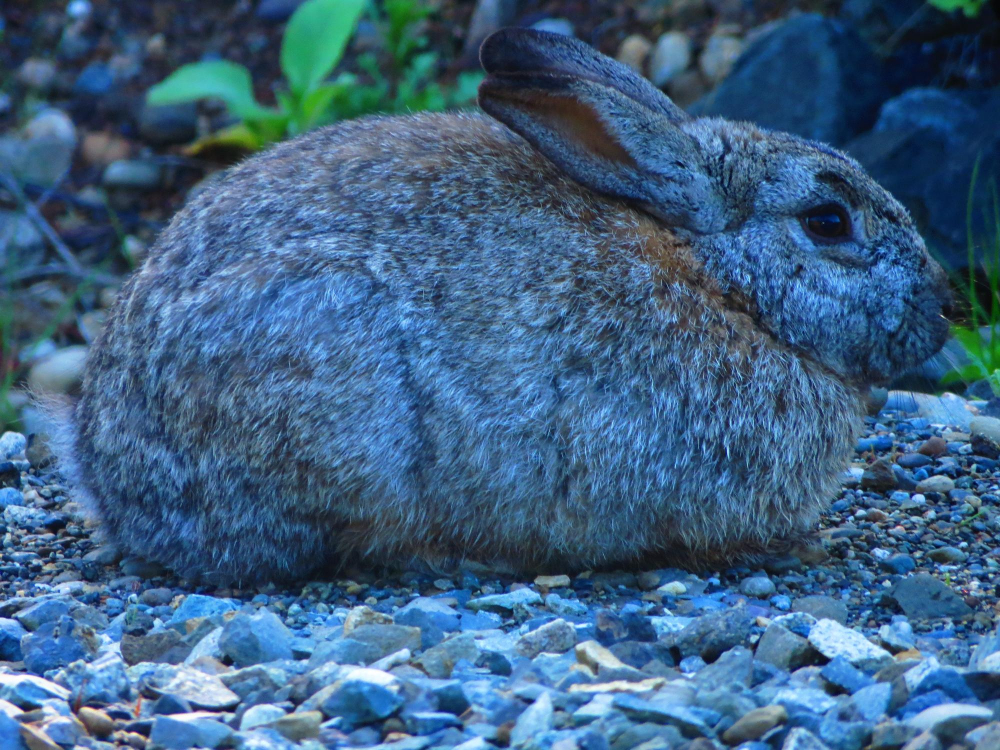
[[846, 677], [94, 80], [898, 564]]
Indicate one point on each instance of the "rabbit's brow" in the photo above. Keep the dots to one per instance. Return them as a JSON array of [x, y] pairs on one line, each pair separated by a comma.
[[824, 149], [841, 185]]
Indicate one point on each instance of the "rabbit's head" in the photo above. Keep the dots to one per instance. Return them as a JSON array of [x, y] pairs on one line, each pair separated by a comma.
[[825, 259]]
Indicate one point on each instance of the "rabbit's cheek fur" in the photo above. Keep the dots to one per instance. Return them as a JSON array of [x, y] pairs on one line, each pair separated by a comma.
[[869, 324], [869, 329], [918, 327]]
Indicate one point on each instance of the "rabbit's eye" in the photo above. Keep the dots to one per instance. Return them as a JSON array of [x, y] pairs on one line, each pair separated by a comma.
[[829, 223]]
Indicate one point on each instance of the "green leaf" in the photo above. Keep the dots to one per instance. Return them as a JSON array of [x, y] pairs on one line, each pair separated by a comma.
[[968, 374], [315, 39], [238, 137], [217, 79], [403, 17], [466, 89], [316, 106], [970, 340], [360, 100], [970, 8]]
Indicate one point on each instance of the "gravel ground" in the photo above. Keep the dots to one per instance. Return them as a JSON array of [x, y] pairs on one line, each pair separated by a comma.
[[881, 639]]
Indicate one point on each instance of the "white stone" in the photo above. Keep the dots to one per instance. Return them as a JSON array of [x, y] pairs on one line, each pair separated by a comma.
[[674, 588], [259, 715], [634, 51], [28, 691], [947, 409], [812, 700], [372, 676], [802, 739], [719, 55], [12, 445], [987, 427], [561, 26], [23, 517], [669, 624], [598, 707], [394, 659], [201, 690], [913, 677], [937, 483], [67, 731], [52, 124], [59, 372], [557, 605], [896, 637], [207, 646], [832, 639], [505, 602], [535, 719], [671, 56], [950, 721]]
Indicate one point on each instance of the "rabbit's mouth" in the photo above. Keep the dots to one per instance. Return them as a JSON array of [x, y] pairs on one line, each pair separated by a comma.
[[919, 336]]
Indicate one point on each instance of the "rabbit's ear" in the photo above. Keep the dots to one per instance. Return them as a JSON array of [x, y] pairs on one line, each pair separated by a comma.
[[610, 142], [514, 51]]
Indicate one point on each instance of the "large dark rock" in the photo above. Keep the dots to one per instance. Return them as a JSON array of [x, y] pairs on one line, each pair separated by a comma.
[[924, 46], [712, 634], [11, 633], [924, 597], [924, 149], [909, 21], [58, 643], [165, 125], [163, 646], [811, 76]]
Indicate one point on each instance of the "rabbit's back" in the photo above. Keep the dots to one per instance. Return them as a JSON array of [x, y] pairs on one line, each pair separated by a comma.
[[418, 337]]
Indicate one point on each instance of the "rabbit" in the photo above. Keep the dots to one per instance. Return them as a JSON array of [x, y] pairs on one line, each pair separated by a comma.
[[577, 329]]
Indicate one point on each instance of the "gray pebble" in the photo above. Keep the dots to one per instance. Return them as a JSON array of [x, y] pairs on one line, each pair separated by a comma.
[[11, 632], [10, 496], [33, 617], [253, 639], [757, 587], [132, 174], [12, 445], [57, 644]]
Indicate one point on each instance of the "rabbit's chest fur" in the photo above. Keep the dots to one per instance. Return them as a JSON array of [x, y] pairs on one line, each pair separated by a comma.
[[418, 338]]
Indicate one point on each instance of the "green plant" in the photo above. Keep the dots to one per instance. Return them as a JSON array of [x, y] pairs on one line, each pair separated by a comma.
[[410, 85], [11, 369], [970, 8], [402, 21], [8, 370], [983, 353], [314, 42]]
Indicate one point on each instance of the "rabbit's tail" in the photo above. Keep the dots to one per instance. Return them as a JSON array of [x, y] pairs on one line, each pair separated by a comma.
[[59, 430]]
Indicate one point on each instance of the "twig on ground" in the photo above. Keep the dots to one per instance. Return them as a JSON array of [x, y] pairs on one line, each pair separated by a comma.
[[8, 181], [61, 269]]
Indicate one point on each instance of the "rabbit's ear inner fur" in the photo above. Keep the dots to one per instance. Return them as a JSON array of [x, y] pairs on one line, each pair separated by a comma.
[[604, 125]]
